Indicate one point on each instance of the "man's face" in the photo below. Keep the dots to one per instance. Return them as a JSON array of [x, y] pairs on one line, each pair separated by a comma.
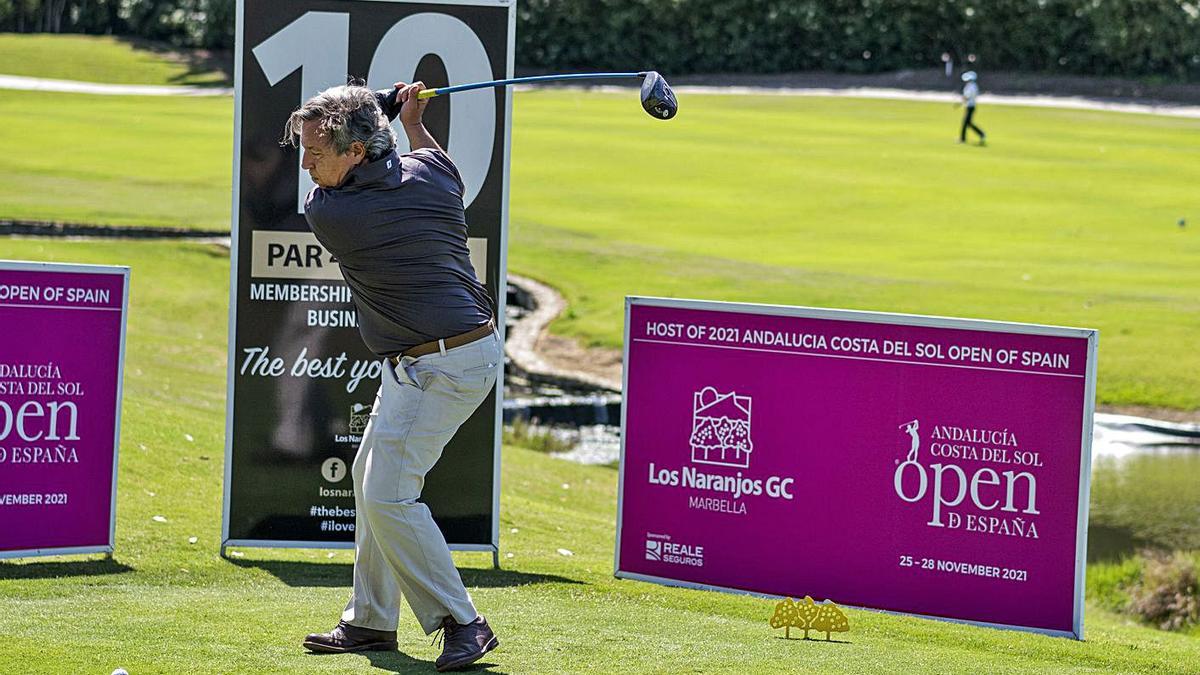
[[327, 168]]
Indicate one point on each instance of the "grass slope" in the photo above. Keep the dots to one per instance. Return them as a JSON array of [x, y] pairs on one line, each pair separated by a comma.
[[96, 58], [1068, 218], [162, 161], [167, 606]]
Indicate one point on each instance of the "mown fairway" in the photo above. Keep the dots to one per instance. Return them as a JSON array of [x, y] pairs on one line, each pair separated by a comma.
[[167, 606], [1067, 218]]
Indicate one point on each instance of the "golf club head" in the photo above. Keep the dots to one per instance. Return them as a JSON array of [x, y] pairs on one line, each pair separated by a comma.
[[657, 98]]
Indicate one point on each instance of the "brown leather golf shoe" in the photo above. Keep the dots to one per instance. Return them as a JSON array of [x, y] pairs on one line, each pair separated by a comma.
[[346, 638], [464, 644]]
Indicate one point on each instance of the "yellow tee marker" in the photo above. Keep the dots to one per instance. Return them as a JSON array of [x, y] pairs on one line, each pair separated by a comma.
[[807, 615]]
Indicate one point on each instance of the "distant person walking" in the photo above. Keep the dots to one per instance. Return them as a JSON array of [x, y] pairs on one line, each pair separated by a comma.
[[969, 93]]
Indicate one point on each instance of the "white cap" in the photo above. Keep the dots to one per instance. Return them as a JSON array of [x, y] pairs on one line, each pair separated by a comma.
[[968, 76]]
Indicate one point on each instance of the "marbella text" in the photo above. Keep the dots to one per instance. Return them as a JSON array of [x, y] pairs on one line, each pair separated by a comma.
[[858, 345]]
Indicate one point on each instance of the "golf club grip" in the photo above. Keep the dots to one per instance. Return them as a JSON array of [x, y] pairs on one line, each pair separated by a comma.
[[390, 102]]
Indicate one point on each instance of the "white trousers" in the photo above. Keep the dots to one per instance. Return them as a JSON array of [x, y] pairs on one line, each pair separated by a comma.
[[398, 549]]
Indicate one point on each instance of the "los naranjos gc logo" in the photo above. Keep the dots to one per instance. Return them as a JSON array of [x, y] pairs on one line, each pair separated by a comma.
[[720, 436], [721, 428], [360, 415]]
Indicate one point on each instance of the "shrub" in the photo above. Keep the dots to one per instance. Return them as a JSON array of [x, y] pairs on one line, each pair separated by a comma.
[[1167, 593], [521, 432]]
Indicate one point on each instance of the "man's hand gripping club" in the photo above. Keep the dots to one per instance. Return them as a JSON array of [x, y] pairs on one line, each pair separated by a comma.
[[412, 111]]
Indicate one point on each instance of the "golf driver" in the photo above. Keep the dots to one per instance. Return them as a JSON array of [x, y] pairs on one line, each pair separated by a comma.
[[657, 98]]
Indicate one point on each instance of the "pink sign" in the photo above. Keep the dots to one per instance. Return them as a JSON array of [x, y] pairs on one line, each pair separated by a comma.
[[912, 464], [61, 353]]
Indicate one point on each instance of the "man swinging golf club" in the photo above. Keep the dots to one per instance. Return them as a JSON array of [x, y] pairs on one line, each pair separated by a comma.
[[396, 225]]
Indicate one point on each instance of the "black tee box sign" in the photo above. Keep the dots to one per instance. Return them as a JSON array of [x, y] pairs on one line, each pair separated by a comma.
[[301, 382]]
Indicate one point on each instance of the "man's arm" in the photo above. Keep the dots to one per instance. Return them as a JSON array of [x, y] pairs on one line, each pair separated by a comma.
[[419, 137]]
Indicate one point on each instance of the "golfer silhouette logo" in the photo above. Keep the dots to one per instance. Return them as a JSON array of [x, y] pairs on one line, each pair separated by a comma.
[[721, 428], [911, 429]]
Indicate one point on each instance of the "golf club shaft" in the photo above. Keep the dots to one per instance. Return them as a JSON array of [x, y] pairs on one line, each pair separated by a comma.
[[430, 93]]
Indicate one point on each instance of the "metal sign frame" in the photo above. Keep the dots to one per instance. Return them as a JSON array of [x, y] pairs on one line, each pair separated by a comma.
[[501, 305], [75, 268], [1085, 450]]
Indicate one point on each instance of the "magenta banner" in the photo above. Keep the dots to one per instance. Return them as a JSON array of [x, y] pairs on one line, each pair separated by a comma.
[[912, 464], [61, 356]]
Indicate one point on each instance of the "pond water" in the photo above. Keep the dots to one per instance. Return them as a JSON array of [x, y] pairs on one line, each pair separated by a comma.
[[1145, 486]]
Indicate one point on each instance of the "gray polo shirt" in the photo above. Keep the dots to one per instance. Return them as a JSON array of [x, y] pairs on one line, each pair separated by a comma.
[[399, 232]]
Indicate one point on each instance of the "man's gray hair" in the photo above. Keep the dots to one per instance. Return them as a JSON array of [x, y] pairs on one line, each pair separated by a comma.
[[344, 114]]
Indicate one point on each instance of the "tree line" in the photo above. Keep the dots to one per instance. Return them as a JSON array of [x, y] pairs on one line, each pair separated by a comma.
[[184, 23], [1158, 39]]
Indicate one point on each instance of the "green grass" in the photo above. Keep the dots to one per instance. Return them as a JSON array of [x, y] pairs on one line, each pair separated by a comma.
[[93, 58], [1108, 582], [160, 161], [1067, 218], [166, 606]]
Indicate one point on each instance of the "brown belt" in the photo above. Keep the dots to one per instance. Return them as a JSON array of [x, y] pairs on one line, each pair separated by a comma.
[[442, 345]]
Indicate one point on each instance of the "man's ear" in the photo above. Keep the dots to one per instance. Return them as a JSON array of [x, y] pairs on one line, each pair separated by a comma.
[[357, 149]]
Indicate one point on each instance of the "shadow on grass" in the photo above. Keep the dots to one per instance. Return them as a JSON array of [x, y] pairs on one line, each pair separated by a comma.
[[804, 639], [395, 662], [307, 574], [492, 578], [399, 662], [51, 570], [199, 62]]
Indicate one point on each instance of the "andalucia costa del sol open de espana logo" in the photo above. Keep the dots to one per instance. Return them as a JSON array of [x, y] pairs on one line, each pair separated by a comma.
[[995, 495]]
